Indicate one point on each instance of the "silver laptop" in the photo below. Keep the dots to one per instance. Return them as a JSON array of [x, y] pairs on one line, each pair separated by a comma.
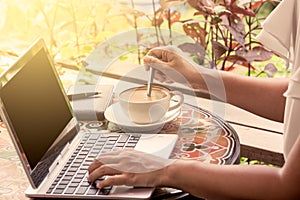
[[54, 152]]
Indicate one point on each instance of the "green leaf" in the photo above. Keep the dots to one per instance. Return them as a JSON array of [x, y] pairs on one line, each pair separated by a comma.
[[123, 57]]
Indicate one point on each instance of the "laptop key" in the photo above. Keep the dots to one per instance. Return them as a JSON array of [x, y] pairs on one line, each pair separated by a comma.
[[64, 182], [73, 169], [85, 183], [80, 176], [76, 165], [70, 190], [61, 187], [81, 190], [58, 191], [72, 184], [70, 173], [67, 178], [123, 138], [92, 191]]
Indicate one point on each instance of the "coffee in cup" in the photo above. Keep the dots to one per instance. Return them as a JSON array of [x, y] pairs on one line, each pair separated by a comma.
[[143, 109]]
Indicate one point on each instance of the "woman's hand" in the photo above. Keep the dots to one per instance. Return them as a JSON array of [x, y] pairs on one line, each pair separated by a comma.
[[128, 167], [172, 65]]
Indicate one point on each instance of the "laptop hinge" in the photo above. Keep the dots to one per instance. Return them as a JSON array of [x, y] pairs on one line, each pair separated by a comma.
[[59, 158]]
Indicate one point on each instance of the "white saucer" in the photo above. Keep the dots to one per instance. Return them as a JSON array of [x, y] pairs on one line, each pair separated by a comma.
[[115, 115]]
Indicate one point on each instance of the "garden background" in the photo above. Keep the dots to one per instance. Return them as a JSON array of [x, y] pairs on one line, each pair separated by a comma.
[[223, 31]]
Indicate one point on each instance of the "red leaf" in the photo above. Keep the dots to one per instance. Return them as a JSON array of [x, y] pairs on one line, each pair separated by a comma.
[[218, 49], [270, 69], [258, 53], [174, 16], [200, 4], [235, 26], [230, 68], [239, 10], [256, 5], [239, 60], [195, 31], [158, 19], [192, 48], [236, 59]]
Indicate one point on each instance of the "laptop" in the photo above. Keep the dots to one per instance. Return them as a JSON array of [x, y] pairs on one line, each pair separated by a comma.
[[54, 152]]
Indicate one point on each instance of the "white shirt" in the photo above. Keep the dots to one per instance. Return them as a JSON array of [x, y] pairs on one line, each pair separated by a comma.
[[281, 33]]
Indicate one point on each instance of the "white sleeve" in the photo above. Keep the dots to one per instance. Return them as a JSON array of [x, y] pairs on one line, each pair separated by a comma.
[[294, 85], [281, 34], [278, 27]]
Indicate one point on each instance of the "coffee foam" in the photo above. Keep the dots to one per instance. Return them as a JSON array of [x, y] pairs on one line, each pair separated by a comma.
[[140, 95]]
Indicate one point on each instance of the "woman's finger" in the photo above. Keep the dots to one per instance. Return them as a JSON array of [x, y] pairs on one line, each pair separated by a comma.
[[94, 165], [104, 158], [151, 61], [120, 179], [162, 52], [101, 171]]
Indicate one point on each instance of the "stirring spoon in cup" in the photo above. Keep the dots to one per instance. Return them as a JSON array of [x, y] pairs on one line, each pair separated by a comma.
[[150, 81]]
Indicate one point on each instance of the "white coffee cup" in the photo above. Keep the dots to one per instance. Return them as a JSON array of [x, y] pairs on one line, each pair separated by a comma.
[[142, 109]]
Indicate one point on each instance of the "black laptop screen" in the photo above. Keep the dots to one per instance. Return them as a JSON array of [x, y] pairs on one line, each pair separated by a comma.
[[37, 109]]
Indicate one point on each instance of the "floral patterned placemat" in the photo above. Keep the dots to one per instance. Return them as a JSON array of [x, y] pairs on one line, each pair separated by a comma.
[[202, 136]]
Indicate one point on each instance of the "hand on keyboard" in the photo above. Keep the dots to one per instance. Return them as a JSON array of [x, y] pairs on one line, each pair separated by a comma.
[[128, 167]]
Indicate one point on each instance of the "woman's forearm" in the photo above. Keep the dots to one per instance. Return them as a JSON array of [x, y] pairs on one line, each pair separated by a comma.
[[236, 181], [261, 96], [226, 182]]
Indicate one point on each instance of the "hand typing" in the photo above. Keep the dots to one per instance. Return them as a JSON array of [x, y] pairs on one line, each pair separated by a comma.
[[128, 167]]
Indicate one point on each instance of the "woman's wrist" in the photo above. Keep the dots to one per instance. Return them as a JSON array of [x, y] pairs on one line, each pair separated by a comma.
[[170, 174], [209, 81]]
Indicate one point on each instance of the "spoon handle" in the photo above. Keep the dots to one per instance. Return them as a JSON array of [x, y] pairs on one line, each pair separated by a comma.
[[150, 81]]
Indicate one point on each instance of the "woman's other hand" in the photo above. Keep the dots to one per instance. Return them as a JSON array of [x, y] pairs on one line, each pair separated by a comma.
[[128, 167]]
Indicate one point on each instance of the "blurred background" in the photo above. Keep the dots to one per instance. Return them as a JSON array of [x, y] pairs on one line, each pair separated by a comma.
[[74, 28]]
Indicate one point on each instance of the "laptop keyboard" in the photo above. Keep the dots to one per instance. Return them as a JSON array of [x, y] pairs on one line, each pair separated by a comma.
[[72, 179]]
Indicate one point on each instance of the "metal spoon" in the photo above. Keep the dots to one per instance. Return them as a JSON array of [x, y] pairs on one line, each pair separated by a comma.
[[150, 81]]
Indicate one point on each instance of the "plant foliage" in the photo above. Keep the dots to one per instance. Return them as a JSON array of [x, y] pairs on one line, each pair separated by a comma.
[[224, 32]]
